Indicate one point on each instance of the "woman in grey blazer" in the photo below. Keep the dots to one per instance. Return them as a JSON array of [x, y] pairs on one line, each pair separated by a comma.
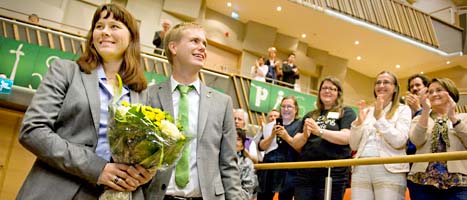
[[65, 125]]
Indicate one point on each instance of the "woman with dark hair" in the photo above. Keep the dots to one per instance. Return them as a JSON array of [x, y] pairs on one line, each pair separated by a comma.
[[439, 129], [271, 181], [65, 125], [381, 130], [324, 135]]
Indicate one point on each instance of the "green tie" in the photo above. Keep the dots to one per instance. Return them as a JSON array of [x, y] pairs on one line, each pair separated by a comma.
[[182, 170]]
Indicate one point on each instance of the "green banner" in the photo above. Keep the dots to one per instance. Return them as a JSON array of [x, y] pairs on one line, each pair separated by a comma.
[[154, 78], [26, 64], [264, 97]]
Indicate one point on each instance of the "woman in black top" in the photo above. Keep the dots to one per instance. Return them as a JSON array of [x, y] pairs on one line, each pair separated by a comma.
[[324, 135]]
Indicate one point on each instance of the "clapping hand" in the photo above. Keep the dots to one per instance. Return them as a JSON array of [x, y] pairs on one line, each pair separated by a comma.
[[423, 98], [362, 112], [379, 106]]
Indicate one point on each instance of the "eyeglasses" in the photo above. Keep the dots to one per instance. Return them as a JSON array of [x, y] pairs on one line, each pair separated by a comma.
[[334, 89], [287, 107], [383, 82]]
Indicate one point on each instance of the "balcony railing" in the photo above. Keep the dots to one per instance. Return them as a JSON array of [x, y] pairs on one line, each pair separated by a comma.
[[388, 14]]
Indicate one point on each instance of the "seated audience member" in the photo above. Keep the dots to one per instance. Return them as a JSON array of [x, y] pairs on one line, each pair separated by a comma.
[[324, 135], [439, 129], [259, 70], [276, 144], [245, 165], [381, 130], [290, 71]]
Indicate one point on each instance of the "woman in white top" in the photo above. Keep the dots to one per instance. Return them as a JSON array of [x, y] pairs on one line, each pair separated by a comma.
[[259, 70], [381, 130]]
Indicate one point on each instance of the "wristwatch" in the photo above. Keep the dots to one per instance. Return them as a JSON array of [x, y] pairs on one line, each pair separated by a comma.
[[321, 132]]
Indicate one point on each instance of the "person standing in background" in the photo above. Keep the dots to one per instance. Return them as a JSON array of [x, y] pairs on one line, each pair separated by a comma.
[[324, 135], [259, 70], [381, 130], [208, 169], [290, 71], [273, 64], [282, 181], [33, 18], [65, 125], [416, 83], [439, 129], [158, 39]]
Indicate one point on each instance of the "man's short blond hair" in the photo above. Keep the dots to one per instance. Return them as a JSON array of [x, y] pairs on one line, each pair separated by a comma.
[[175, 34]]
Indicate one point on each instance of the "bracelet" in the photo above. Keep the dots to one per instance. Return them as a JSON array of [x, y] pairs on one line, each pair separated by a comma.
[[321, 132], [456, 123]]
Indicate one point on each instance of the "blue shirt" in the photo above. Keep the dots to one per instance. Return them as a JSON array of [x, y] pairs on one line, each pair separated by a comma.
[[106, 94]]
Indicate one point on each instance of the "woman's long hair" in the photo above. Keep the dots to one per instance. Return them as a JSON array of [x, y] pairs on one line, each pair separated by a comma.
[[131, 72]]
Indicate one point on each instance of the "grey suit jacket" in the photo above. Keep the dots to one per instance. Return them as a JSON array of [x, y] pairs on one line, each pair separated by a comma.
[[216, 159], [60, 127]]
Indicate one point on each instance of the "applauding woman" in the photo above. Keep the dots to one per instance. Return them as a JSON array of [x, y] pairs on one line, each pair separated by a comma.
[[271, 181], [324, 135], [439, 129], [381, 130], [65, 125]]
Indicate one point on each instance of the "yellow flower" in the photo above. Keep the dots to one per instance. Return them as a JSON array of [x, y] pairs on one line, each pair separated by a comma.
[[125, 103], [160, 116]]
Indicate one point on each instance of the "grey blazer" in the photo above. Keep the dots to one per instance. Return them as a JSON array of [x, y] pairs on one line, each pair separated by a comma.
[[60, 127], [219, 176]]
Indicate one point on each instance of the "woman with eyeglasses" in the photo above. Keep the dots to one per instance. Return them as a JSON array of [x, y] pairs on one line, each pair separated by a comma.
[[439, 129], [324, 135], [271, 181], [381, 130]]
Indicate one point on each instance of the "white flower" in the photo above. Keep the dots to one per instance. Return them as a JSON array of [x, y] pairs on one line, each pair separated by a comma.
[[169, 129], [122, 110]]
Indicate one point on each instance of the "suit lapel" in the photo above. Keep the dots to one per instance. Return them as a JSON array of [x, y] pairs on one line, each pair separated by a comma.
[[204, 103], [90, 84], [164, 95]]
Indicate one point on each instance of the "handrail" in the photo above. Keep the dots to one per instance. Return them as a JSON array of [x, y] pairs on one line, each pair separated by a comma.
[[389, 14], [457, 155]]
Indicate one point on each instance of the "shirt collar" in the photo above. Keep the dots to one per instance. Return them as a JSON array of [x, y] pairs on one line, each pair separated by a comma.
[[174, 84], [101, 76]]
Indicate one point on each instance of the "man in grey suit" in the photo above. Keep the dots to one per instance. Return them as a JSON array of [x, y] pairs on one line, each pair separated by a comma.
[[213, 171]]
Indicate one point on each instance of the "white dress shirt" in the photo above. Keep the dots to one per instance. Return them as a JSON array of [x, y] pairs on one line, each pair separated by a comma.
[[192, 189]]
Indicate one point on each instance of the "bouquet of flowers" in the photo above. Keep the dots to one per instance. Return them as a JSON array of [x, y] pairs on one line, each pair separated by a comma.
[[143, 135]]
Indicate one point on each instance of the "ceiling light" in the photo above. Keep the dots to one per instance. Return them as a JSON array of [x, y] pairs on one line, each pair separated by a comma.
[[421, 72], [229, 4], [234, 15], [356, 42], [448, 62], [359, 57], [303, 35], [398, 66], [279, 8]]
